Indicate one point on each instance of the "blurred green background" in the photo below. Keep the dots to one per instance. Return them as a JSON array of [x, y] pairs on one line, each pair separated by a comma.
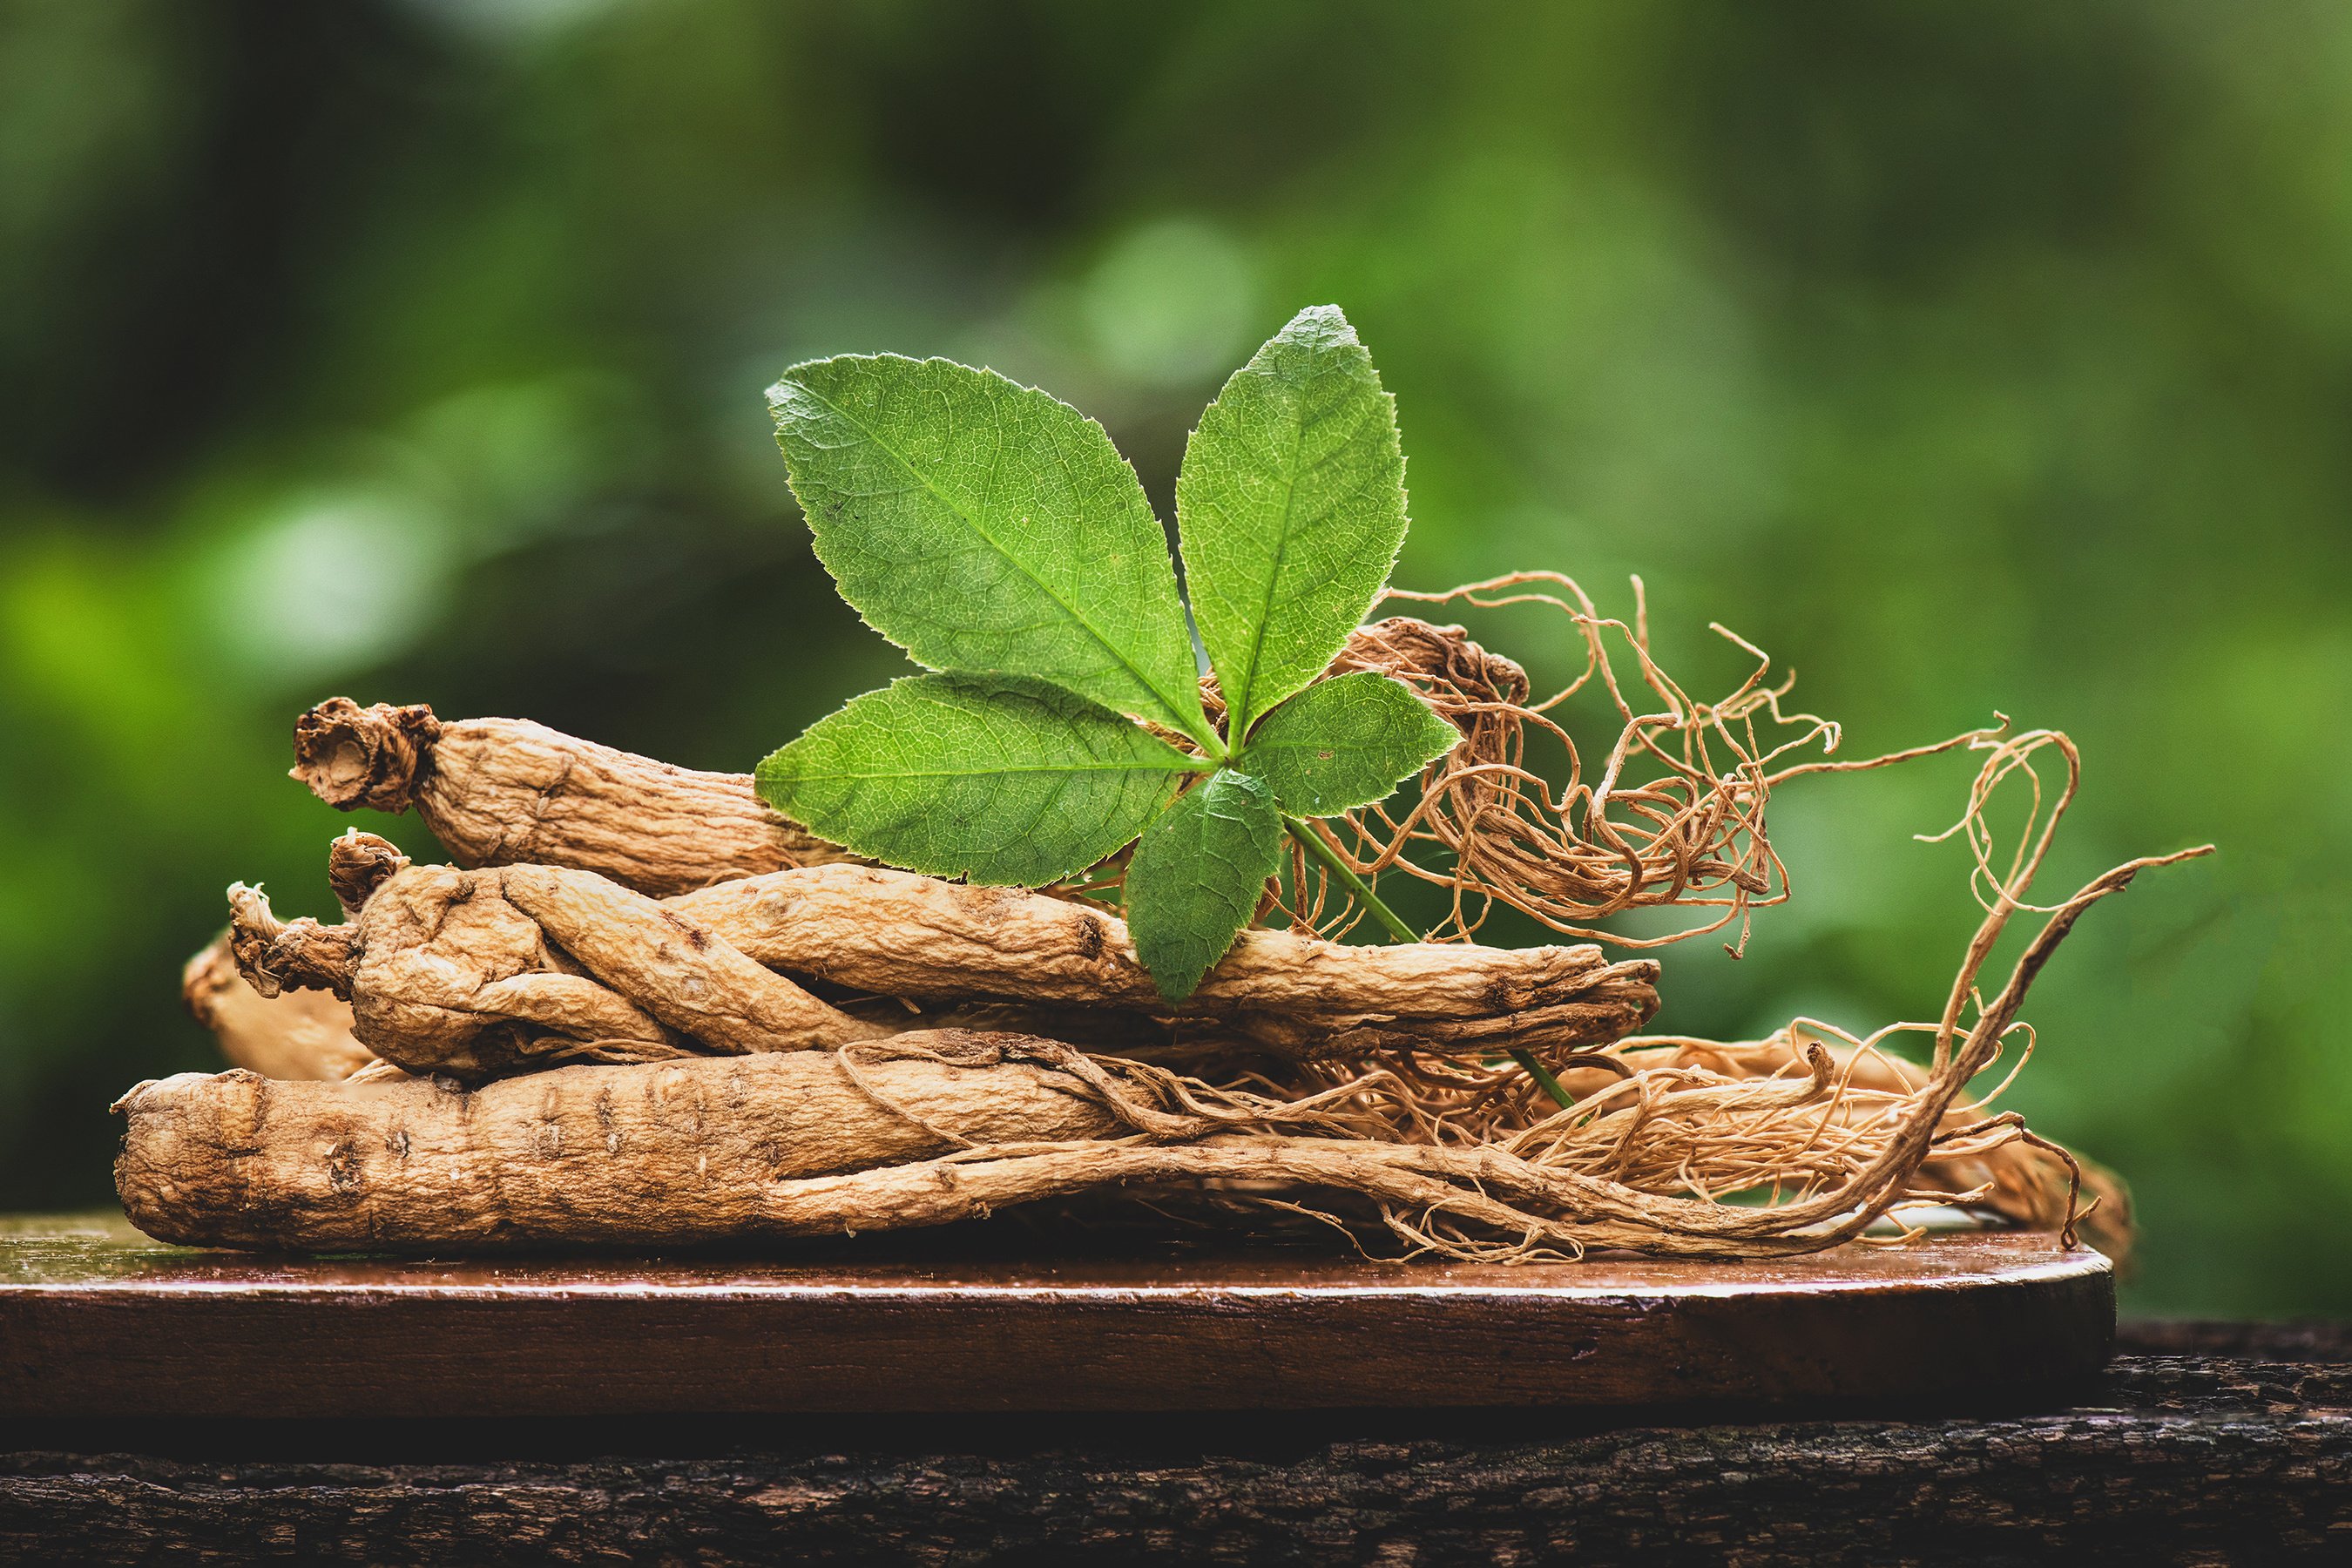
[[1968, 356]]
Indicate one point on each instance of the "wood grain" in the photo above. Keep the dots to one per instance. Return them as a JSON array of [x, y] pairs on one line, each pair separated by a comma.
[[96, 1321]]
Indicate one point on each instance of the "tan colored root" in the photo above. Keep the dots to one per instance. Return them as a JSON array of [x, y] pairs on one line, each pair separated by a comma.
[[691, 979], [300, 1034], [2030, 1182], [1674, 816], [1827, 1152], [1451, 1151], [662, 1153], [1639, 1164], [923, 1129], [477, 974], [896, 933], [207, 1163], [499, 792]]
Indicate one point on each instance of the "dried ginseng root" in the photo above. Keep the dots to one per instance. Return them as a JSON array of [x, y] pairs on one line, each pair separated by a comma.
[[899, 934], [1670, 817], [661, 1155], [728, 1150], [689, 1151], [500, 791], [2029, 1182], [654, 1155], [298, 1035], [928, 1128], [496, 969], [476, 974]]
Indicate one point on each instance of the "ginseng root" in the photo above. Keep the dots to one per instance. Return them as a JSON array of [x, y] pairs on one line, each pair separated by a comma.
[[502, 792], [2027, 1181], [926, 1129], [476, 974], [1641, 1163], [1449, 1150], [899, 934], [297, 1035], [663, 1153], [499, 791], [1673, 816], [483, 971]]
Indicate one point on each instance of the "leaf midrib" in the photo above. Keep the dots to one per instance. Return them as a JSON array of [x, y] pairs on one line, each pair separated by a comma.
[[1167, 707], [1248, 707], [1181, 765]]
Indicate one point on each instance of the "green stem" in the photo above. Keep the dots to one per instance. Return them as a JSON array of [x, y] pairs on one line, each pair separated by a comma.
[[1328, 858], [1541, 1074]]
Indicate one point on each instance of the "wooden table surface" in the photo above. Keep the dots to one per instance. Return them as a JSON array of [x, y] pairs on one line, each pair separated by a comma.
[[96, 1320], [2206, 1444]]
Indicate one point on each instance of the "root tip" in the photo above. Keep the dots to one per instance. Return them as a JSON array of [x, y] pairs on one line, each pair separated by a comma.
[[352, 756], [358, 865], [277, 955]]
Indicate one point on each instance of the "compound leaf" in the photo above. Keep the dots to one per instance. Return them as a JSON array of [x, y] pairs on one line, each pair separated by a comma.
[[1002, 781]]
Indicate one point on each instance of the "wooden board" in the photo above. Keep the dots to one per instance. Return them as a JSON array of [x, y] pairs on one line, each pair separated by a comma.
[[96, 1321]]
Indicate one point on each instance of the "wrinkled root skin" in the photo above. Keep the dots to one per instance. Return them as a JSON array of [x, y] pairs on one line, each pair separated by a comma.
[[2024, 1183], [479, 974], [936, 1127], [500, 791], [509, 964], [898, 933], [375, 757], [297, 1035], [647, 1156]]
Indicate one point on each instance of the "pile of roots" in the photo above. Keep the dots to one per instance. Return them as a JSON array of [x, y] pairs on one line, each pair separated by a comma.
[[640, 1009]]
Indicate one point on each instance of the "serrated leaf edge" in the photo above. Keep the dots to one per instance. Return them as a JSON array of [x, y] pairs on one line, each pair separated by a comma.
[[1193, 723]]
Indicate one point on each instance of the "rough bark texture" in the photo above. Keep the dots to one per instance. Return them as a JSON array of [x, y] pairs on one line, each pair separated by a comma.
[[2172, 1459], [900, 934], [657, 1154], [499, 792], [298, 1035]]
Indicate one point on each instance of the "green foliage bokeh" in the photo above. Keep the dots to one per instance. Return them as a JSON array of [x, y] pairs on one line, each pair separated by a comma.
[[1978, 357]]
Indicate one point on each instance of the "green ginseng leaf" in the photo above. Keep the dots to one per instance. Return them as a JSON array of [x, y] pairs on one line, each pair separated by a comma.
[[1197, 876], [1345, 743], [1291, 507], [1005, 781], [985, 526]]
